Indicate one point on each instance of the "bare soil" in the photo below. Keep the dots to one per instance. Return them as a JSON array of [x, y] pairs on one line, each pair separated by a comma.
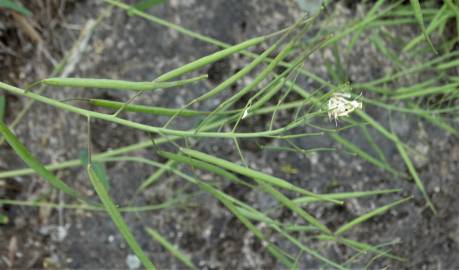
[[128, 47]]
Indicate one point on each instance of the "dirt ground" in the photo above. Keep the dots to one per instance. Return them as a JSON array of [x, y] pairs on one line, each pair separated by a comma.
[[132, 48]]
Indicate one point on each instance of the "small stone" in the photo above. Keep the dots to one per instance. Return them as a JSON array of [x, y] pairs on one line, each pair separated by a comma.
[[132, 261], [111, 238], [420, 155]]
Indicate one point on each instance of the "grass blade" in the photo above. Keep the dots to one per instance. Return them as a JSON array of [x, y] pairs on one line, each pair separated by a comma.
[[291, 205], [361, 247], [99, 168], [401, 149], [252, 173], [34, 163], [414, 174], [364, 155], [227, 200], [146, 4], [14, 5], [148, 128], [308, 250], [443, 89], [2, 107], [345, 195], [256, 215], [118, 84], [146, 109], [365, 217], [86, 207], [112, 210], [171, 248], [203, 165], [418, 14], [273, 249], [263, 180], [155, 176], [373, 144], [437, 21]]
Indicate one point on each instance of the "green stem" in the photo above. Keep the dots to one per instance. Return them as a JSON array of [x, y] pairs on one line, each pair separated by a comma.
[[139, 126]]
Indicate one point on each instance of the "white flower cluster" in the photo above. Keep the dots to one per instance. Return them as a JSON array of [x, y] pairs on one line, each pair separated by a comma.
[[339, 105]]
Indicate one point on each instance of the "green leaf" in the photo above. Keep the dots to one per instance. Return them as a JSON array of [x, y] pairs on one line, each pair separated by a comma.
[[4, 219], [16, 6]]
